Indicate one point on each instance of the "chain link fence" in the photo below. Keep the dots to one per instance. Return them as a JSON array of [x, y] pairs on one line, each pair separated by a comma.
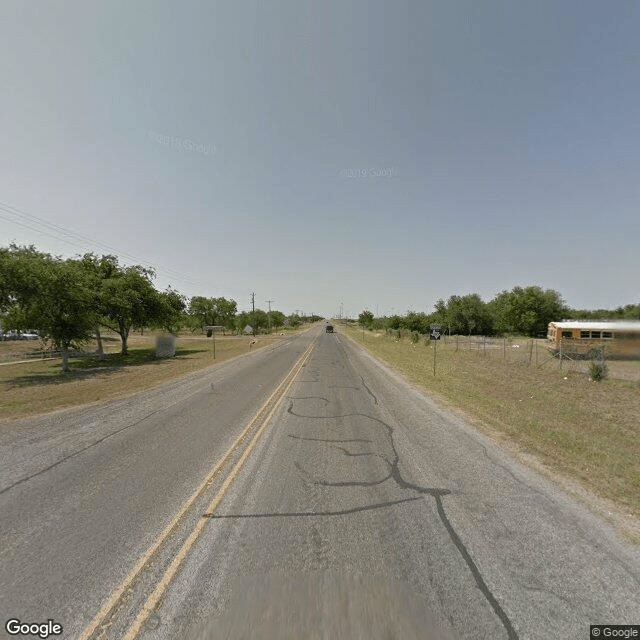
[[530, 352]]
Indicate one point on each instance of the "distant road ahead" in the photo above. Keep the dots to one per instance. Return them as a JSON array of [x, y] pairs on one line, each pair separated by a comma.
[[299, 492]]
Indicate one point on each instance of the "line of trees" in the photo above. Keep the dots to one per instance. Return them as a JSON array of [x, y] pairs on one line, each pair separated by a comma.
[[202, 312], [71, 300], [523, 311]]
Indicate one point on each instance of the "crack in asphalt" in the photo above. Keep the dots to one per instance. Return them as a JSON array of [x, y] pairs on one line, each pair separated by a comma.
[[351, 483], [76, 453], [394, 469], [308, 398], [308, 514], [326, 440], [364, 384], [355, 455], [545, 591], [436, 493], [509, 471]]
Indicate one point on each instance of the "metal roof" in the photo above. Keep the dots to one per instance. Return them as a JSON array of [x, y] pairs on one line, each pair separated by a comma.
[[620, 325]]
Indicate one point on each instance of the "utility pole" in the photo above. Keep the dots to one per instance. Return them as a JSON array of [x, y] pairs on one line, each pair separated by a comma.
[[269, 316], [253, 312]]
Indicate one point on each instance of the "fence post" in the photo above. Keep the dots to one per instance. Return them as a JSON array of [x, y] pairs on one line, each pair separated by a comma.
[[560, 355], [434, 357]]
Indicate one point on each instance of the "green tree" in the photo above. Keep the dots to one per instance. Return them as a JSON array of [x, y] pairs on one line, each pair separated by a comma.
[[631, 312], [365, 319], [260, 320], [393, 322], [171, 313], [225, 311], [294, 320], [527, 311], [52, 294], [628, 312], [98, 269], [130, 300], [416, 322], [468, 315], [242, 320], [202, 312], [277, 319], [439, 316], [212, 311]]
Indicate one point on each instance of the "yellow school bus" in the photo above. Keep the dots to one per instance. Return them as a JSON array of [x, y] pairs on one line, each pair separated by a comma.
[[588, 339]]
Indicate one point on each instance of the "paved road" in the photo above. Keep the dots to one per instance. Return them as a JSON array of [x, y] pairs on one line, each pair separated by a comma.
[[361, 511]]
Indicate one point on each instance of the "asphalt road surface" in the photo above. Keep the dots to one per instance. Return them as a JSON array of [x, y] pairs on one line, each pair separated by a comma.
[[302, 491]]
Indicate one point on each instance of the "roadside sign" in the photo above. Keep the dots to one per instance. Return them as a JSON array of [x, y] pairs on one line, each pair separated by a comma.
[[211, 329]]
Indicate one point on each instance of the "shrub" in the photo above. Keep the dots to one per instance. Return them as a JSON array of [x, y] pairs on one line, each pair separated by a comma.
[[415, 337], [598, 370]]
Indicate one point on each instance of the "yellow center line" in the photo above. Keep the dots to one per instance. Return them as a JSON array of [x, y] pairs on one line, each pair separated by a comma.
[[118, 593], [152, 601]]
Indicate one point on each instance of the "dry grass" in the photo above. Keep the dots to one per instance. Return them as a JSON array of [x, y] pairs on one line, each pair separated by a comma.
[[587, 431], [37, 387]]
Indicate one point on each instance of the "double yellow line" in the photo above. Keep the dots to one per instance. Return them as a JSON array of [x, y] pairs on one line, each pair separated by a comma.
[[261, 418]]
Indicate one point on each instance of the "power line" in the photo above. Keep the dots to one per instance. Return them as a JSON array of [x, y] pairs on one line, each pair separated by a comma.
[[60, 233], [77, 237]]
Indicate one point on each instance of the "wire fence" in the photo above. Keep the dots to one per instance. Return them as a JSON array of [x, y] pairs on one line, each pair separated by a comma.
[[42, 355], [530, 352]]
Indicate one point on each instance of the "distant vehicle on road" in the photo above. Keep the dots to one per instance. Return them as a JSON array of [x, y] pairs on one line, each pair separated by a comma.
[[329, 328], [16, 335]]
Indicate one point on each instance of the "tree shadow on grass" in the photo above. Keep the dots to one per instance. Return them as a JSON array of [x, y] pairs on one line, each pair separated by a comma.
[[90, 367]]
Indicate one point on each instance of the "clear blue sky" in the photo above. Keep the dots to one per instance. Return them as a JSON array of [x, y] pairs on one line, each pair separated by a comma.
[[223, 142]]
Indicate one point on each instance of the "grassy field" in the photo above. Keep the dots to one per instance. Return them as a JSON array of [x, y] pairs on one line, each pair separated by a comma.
[[587, 433], [37, 387]]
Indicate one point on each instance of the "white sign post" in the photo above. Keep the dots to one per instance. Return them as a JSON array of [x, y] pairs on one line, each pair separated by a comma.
[[435, 336], [213, 328]]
